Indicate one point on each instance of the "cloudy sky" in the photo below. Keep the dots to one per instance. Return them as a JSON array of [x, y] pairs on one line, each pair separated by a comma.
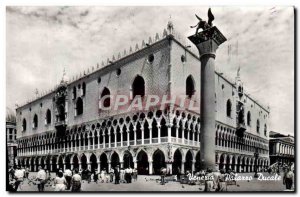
[[42, 41]]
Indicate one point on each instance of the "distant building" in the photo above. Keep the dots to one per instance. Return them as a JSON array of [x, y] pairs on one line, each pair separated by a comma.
[[11, 134], [281, 148]]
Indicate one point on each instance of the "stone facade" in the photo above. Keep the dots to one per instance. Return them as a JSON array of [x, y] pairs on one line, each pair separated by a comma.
[[281, 148], [56, 133], [11, 137]]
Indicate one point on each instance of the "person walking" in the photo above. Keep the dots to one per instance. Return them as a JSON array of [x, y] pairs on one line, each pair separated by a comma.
[[117, 174], [209, 184], [127, 175], [130, 174], [221, 182], [76, 182], [68, 177], [134, 174], [111, 175], [11, 172], [288, 179], [23, 170], [89, 175], [41, 178], [122, 175], [163, 173], [103, 176], [60, 182], [27, 172], [96, 175], [19, 177]]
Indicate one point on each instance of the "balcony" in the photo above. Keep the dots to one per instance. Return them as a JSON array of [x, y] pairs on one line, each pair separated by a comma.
[[119, 144], [240, 130], [238, 151]]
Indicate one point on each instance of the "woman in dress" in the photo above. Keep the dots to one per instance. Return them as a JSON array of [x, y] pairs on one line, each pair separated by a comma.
[[103, 176], [60, 182], [209, 183], [76, 182], [134, 174]]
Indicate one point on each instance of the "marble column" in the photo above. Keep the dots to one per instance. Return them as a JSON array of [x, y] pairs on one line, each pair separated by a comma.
[[176, 134], [128, 140], [150, 167], [150, 134], [134, 131], [159, 131], [207, 47], [121, 138], [142, 130], [99, 166]]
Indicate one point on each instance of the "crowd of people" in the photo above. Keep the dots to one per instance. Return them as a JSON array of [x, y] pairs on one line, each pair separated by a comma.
[[69, 180]]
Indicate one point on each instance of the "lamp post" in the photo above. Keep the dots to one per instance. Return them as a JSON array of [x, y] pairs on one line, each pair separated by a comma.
[[256, 154]]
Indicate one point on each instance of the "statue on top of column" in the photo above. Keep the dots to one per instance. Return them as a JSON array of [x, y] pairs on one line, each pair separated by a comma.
[[202, 24]]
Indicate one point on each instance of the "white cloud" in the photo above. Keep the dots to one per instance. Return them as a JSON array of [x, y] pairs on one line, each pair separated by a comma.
[[41, 41]]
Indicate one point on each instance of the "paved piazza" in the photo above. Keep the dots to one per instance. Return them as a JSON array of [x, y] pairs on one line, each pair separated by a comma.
[[149, 183]]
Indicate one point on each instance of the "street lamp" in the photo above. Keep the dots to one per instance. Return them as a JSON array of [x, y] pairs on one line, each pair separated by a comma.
[[256, 154]]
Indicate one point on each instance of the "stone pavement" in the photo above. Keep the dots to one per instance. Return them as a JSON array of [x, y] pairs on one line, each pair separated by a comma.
[[149, 183]]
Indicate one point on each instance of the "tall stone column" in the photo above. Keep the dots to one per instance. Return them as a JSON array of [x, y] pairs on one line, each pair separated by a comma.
[[207, 43]]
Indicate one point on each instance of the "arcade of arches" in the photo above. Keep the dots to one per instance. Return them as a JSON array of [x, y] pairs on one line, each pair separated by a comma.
[[147, 160], [240, 163], [144, 141]]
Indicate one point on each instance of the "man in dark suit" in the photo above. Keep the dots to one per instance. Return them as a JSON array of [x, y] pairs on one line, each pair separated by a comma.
[[117, 174]]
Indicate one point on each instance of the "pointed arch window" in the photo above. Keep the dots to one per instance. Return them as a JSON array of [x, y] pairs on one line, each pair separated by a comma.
[[35, 121], [249, 118], [83, 89], [48, 117], [138, 86], [74, 93], [79, 107], [265, 130], [190, 86], [257, 126], [105, 93], [228, 108], [24, 125]]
